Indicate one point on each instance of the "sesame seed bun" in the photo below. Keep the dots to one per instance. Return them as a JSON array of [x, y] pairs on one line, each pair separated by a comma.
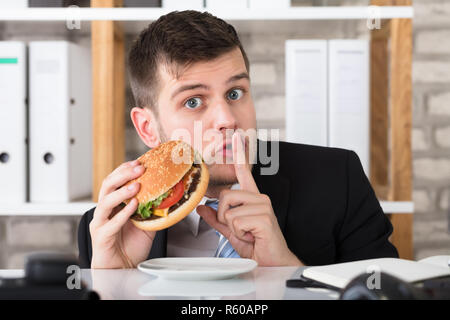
[[165, 165], [160, 223]]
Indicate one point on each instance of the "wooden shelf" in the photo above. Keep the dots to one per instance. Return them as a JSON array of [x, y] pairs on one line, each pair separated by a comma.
[[78, 208], [397, 206], [134, 20], [391, 60], [149, 14]]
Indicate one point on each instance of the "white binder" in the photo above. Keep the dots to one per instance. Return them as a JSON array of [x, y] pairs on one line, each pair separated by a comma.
[[349, 126], [13, 122], [60, 121], [306, 91]]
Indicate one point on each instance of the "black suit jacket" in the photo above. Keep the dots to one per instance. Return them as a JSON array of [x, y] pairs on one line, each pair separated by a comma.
[[324, 203]]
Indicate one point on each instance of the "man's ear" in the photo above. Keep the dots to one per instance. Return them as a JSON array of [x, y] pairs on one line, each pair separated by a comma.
[[144, 121]]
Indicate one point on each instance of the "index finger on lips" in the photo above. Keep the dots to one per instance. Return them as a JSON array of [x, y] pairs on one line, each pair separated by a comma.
[[241, 166], [120, 176]]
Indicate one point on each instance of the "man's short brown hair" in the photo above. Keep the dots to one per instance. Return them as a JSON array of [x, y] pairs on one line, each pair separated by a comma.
[[176, 40]]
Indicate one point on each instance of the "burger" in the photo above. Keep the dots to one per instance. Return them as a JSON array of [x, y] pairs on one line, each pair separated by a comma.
[[173, 183]]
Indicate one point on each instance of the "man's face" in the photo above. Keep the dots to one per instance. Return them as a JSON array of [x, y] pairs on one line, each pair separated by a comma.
[[215, 94]]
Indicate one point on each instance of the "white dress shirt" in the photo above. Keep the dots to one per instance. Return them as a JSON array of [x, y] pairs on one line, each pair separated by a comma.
[[192, 236]]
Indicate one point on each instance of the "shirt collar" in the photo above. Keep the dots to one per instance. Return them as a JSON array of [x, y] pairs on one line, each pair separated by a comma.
[[193, 219]]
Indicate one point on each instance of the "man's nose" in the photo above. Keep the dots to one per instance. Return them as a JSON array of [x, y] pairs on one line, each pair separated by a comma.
[[223, 116]]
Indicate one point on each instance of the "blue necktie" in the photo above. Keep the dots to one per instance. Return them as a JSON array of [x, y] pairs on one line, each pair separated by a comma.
[[224, 248]]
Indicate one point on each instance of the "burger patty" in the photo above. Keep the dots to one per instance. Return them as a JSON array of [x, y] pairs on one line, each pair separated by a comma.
[[192, 188], [195, 179]]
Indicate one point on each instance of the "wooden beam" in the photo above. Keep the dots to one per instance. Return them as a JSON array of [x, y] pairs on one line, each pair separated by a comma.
[[401, 122], [379, 115], [119, 95], [108, 96], [397, 98]]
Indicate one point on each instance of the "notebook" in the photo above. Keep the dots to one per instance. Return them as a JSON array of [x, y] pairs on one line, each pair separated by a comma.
[[340, 274]]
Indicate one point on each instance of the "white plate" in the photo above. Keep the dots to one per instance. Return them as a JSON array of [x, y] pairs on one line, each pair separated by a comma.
[[197, 268]]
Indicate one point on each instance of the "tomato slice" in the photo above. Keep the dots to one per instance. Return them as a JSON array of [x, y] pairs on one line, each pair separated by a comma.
[[174, 197]]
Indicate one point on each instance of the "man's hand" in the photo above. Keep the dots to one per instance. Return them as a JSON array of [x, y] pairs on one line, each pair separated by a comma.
[[246, 218], [116, 242]]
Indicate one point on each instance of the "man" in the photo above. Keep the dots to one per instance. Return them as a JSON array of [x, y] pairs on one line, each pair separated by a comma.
[[318, 208]]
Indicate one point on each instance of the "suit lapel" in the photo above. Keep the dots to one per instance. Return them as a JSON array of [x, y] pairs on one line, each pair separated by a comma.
[[275, 186]]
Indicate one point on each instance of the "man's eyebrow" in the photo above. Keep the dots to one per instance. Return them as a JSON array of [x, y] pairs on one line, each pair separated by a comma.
[[189, 87], [243, 75]]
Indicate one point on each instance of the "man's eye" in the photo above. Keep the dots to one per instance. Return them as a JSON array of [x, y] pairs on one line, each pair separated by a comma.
[[235, 94], [193, 103]]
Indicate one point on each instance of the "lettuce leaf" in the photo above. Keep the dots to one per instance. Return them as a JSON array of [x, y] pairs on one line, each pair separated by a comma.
[[145, 210]]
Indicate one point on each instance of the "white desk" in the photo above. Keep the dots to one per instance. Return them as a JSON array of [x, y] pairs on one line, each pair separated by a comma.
[[260, 284]]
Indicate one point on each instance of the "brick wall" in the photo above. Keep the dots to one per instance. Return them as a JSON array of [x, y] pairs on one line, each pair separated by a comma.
[[431, 127], [265, 48]]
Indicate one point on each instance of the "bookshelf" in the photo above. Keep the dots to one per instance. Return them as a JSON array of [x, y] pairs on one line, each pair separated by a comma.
[[391, 86]]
